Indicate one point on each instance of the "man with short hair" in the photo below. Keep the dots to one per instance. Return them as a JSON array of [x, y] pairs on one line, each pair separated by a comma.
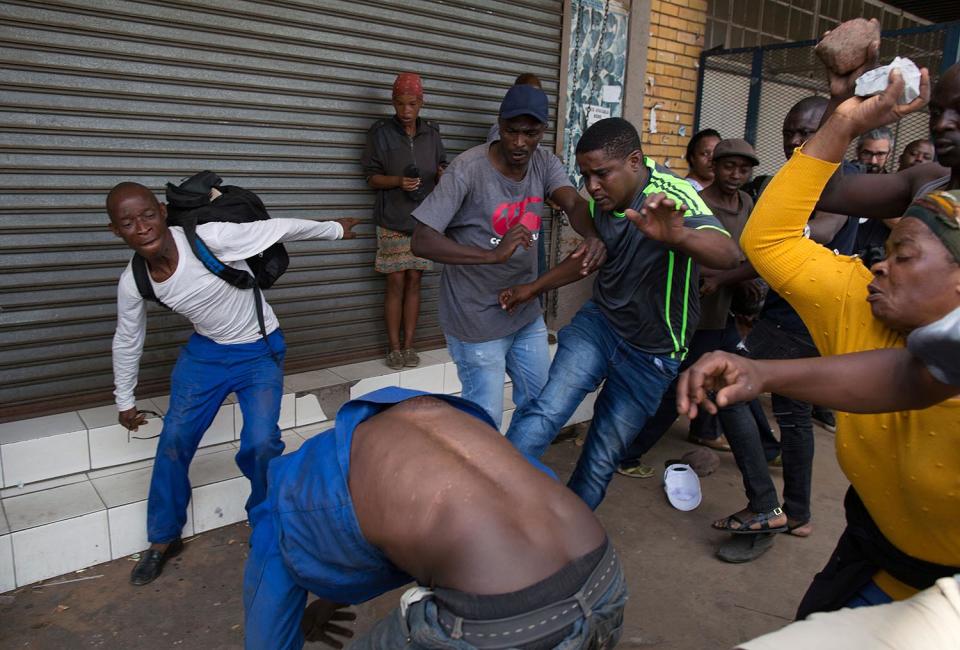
[[873, 149], [635, 332], [503, 555], [227, 353], [733, 162], [916, 153], [481, 222]]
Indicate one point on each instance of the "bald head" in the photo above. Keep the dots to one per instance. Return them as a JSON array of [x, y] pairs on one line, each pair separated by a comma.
[[127, 190], [801, 122]]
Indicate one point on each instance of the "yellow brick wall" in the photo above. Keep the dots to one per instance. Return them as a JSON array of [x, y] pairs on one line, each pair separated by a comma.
[[676, 39]]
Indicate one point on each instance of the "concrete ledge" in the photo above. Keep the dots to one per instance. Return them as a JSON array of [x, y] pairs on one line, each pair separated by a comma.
[[80, 478]]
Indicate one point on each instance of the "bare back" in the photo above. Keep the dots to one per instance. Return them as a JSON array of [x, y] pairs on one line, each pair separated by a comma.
[[448, 500]]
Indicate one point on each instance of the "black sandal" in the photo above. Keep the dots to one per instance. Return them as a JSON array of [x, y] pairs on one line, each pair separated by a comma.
[[746, 526]]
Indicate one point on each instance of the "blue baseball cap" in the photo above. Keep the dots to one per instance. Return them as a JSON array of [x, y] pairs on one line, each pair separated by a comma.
[[525, 100]]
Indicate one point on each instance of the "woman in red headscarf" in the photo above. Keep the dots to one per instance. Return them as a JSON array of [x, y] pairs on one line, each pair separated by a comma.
[[402, 161]]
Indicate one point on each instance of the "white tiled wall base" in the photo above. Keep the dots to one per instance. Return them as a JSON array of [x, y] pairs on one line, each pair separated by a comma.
[[103, 508], [42, 552]]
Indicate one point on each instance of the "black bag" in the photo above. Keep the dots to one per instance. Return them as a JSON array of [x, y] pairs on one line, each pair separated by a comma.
[[188, 206]]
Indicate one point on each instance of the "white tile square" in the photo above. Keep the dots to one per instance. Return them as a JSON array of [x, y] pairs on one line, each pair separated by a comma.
[[48, 425], [308, 410], [128, 528], [291, 442], [505, 423], [220, 504], [44, 552], [440, 354], [426, 378], [215, 467], [48, 506], [508, 397], [583, 412], [312, 380], [42, 458], [362, 370], [124, 488], [451, 380], [371, 384], [222, 428], [310, 431], [288, 412], [7, 580], [114, 445], [105, 416], [4, 526], [120, 469], [39, 486], [161, 403]]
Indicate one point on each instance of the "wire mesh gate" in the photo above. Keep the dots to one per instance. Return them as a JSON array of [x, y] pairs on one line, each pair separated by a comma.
[[747, 92]]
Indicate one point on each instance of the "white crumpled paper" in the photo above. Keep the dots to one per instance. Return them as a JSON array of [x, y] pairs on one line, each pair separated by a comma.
[[874, 82]]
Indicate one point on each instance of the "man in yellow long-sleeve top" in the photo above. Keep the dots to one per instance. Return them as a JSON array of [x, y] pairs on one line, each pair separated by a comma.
[[902, 530]]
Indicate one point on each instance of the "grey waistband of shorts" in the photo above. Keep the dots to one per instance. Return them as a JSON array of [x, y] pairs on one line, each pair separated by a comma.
[[527, 628]]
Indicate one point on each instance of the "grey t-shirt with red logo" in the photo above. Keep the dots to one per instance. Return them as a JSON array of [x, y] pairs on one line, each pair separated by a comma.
[[475, 205]]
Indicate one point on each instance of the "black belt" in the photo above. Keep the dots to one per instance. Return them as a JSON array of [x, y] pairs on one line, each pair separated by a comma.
[[532, 626]]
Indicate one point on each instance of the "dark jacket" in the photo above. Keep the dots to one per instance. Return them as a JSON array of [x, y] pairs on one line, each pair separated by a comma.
[[389, 151]]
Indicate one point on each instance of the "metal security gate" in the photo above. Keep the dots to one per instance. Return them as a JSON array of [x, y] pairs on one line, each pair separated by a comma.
[[275, 97], [747, 92]]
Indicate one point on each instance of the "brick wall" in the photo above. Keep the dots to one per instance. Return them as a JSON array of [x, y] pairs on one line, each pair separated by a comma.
[[676, 39]]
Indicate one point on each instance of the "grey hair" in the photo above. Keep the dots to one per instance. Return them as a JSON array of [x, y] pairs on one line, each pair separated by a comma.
[[883, 133]]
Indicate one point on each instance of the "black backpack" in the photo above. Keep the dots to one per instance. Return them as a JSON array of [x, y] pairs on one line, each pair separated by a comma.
[[188, 206]]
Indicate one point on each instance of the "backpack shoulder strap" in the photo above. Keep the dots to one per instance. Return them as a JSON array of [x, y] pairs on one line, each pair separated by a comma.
[[142, 277], [236, 277]]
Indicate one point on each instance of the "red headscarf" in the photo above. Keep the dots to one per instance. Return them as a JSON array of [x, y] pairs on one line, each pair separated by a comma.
[[408, 83]]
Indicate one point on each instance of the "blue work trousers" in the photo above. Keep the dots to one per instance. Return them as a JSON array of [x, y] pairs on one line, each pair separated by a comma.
[[205, 373], [589, 351]]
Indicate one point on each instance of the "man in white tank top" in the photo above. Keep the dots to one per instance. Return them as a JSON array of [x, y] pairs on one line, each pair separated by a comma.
[[227, 353]]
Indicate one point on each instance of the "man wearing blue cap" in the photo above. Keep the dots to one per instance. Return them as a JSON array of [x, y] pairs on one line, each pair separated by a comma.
[[481, 222]]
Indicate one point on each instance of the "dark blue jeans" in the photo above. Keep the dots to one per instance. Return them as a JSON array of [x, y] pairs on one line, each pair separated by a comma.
[[769, 341], [589, 352], [205, 373], [705, 425]]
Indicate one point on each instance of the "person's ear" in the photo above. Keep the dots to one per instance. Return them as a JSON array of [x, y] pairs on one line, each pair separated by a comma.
[[635, 159], [113, 228], [163, 211]]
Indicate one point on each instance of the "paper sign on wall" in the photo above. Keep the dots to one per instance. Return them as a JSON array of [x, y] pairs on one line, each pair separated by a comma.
[[611, 94], [596, 113]]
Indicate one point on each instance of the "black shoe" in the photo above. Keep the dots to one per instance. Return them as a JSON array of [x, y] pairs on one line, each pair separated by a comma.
[[826, 418], [151, 563]]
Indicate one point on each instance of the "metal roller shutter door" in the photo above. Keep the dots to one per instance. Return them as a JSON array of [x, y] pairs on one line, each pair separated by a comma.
[[276, 97]]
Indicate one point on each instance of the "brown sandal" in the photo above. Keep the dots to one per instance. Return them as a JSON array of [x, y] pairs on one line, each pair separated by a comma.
[[746, 526]]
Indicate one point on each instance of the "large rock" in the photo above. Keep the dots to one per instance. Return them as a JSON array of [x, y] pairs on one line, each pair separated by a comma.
[[845, 48]]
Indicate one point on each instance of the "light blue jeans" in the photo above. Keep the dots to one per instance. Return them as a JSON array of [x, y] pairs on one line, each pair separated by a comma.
[[591, 352], [523, 355]]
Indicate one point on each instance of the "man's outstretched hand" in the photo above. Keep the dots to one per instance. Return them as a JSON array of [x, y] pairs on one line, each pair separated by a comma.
[[659, 218], [592, 253], [317, 622], [348, 223], [734, 378]]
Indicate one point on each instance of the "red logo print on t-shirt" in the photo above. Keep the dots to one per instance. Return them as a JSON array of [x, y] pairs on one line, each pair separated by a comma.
[[507, 215]]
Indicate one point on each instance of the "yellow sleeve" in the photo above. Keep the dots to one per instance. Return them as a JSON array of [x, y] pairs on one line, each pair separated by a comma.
[[823, 287]]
